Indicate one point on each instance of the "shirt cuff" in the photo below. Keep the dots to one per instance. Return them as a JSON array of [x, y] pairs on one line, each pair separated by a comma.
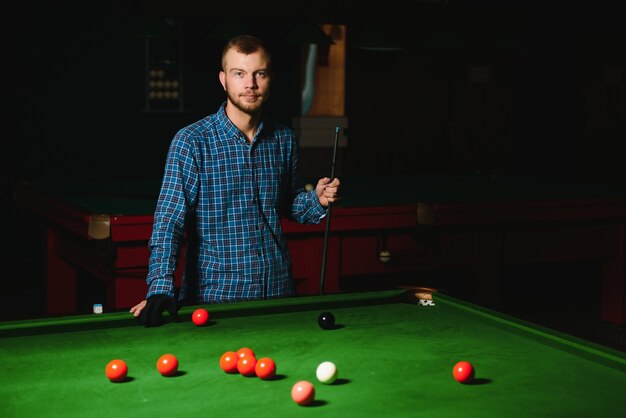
[[320, 211], [161, 287]]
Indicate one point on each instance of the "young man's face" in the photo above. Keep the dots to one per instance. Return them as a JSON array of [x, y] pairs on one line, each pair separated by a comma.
[[246, 80]]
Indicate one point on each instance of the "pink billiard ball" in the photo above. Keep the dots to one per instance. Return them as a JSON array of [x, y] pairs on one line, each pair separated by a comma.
[[303, 392], [200, 316], [463, 372]]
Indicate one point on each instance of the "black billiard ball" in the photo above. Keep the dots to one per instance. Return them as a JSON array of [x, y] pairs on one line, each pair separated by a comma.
[[326, 320]]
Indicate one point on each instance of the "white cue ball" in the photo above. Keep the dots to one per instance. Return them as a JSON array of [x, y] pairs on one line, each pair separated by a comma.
[[384, 256], [308, 187], [326, 372]]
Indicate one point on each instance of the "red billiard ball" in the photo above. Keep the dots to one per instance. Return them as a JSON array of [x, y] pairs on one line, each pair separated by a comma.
[[245, 351], [228, 362], [303, 392], [167, 365], [200, 316], [246, 365], [117, 370], [463, 372], [265, 368]]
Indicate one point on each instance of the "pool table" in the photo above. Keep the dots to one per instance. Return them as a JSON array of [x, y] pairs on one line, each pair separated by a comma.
[[476, 223], [394, 359]]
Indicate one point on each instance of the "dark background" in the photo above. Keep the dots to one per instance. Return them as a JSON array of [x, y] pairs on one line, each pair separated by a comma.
[[75, 83], [553, 106]]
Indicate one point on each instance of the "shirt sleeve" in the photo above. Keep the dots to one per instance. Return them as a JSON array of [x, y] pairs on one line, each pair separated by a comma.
[[306, 207], [177, 197]]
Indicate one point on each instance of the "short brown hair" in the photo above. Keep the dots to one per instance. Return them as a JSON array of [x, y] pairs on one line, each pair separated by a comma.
[[246, 44]]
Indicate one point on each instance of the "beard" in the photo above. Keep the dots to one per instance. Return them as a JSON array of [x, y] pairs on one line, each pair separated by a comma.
[[250, 108]]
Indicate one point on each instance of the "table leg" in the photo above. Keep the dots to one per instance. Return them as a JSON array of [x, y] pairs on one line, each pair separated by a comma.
[[60, 280]]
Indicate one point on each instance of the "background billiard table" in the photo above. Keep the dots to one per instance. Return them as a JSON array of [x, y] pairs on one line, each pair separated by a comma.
[[493, 239]]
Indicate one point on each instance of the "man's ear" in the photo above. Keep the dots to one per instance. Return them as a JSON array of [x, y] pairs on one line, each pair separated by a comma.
[[223, 79]]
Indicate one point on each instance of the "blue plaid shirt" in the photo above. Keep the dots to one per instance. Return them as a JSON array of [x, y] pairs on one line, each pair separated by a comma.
[[229, 196]]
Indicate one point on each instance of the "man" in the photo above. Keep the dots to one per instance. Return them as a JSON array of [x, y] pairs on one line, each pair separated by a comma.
[[230, 178]]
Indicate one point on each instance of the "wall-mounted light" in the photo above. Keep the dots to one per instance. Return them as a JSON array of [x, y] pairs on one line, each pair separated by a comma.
[[163, 63]]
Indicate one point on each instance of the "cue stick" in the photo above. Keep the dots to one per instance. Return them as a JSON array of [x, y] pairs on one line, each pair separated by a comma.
[[330, 206]]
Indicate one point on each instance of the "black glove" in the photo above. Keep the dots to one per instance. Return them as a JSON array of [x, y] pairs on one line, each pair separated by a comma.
[[152, 313]]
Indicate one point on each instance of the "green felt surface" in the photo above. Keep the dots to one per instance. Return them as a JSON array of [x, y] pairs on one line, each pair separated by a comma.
[[394, 359]]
